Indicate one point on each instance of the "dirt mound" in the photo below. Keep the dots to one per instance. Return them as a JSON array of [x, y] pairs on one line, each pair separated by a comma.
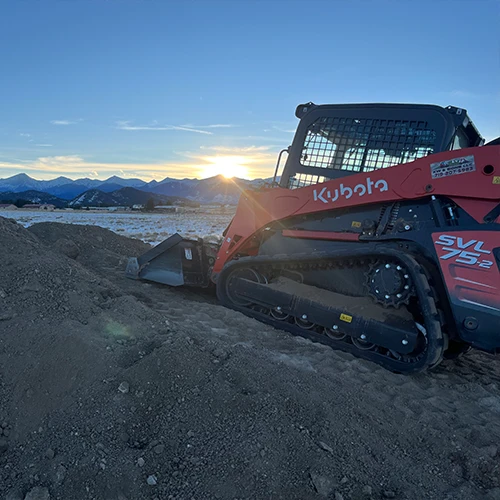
[[57, 321], [117, 389], [92, 246]]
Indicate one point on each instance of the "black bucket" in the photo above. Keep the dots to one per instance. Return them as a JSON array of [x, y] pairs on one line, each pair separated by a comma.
[[175, 262]]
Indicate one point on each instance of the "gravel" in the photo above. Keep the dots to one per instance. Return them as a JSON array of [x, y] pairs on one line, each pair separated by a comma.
[[124, 387], [152, 480], [159, 449], [325, 447]]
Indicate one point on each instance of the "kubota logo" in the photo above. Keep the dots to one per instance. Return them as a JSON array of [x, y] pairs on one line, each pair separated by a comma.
[[325, 195]]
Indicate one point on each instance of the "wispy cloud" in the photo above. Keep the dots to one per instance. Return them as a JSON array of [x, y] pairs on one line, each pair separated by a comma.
[[462, 94], [269, 139], [65, 122], [284, 130], [215, 125], [126, 125], [76, 166], [239, 150], [44, 145], [286, 127], [24, 135]]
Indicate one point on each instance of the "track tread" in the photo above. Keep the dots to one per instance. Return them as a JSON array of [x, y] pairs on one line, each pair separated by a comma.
[[436, 338]]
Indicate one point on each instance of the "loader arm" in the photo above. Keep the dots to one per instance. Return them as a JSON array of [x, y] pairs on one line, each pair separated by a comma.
[[470, 177]]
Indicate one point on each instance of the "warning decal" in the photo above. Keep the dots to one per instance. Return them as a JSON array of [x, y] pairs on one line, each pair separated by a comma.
[[346, 318], [496, 179], [456, 166]]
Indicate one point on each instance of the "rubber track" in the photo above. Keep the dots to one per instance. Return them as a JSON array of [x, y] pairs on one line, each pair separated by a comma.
[[435, 338]]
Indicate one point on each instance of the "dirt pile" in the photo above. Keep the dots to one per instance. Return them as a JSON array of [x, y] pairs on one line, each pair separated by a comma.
[[94, 247], [59, 322], [117, 389]]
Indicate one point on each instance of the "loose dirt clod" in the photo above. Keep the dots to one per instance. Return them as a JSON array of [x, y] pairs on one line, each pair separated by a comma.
[[124, 387], [322, 484], [152, 480], [275, 417], [38, 493]]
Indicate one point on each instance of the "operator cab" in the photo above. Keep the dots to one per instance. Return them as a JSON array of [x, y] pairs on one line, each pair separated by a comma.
[[334, 141]]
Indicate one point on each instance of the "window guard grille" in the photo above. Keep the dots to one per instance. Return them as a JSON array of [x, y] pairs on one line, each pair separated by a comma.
[[364, 145]]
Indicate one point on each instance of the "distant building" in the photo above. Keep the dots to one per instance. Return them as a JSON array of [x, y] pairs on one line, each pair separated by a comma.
[[166, 209], [7, 206], [39, 206], [118, 209], [109, 209], [137, 207]]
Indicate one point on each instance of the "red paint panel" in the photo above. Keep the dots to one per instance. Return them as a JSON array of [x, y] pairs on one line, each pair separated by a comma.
[[469, 266], [476, 208], [320, 235]]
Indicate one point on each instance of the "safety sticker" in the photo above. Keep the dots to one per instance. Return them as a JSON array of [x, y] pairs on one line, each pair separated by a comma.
[[346, 318], [355, 223], [456, 166], [496, 179]]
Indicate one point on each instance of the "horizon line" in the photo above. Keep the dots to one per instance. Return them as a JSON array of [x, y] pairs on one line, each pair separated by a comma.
[[132, 178]]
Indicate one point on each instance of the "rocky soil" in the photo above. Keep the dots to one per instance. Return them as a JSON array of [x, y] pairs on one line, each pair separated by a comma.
[[116, 389]]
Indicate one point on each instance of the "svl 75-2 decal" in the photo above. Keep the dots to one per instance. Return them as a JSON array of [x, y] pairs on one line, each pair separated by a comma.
[[469, 252]]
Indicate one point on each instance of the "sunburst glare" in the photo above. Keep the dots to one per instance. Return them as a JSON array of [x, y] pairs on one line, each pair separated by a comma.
[[228, 166]]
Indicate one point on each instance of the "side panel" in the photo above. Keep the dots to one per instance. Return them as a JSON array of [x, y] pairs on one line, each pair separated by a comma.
[[471, 273]]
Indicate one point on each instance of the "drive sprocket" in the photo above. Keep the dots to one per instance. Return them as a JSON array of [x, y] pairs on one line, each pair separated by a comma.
[[389, 284]]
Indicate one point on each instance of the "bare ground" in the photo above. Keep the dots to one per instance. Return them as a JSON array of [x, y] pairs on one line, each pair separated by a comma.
[[107, 382]]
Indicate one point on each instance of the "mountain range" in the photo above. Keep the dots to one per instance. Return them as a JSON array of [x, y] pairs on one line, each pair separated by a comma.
[[124, 197], [216, 189]]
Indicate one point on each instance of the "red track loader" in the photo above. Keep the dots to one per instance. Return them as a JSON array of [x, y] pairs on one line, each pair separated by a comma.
[[382, 238]]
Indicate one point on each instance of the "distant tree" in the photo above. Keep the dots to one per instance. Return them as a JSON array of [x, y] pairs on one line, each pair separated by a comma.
[[19, 203], [150, 205]]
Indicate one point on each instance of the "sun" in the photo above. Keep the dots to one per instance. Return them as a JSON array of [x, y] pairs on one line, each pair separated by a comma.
[[228, 166]]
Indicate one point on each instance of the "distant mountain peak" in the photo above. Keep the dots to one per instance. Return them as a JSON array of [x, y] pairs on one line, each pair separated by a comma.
[[21, 176], [216, 189]]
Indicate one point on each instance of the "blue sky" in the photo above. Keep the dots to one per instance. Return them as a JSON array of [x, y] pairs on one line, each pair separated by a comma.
[[188, 88]]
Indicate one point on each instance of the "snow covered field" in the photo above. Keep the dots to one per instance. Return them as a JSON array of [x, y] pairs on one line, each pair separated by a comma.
[[151, 228]]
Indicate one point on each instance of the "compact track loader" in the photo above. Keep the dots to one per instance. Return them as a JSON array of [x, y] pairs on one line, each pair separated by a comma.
[[382, 238]]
